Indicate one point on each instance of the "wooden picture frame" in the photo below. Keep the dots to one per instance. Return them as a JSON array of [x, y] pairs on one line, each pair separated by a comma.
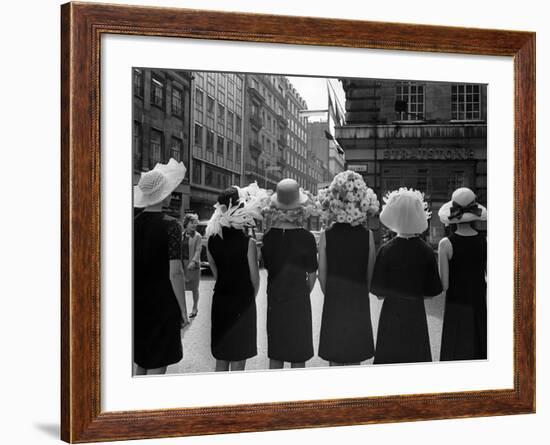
[[82, 26]]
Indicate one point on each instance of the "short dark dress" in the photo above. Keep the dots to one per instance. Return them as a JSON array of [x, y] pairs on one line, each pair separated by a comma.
[[346, 329], [157, 314], [233, 331], [404, 273], [465, 322], [289, 255]]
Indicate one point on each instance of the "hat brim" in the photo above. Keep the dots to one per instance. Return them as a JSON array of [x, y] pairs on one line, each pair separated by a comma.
[[445, 211], [174, 172], [302, 199]]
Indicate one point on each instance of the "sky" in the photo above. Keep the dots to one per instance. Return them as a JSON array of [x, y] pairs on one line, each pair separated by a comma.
[[314, 91]]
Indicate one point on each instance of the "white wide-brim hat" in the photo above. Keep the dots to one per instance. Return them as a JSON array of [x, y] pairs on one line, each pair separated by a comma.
[[288, 195], [156, 185], [462, 208], [405, 212]]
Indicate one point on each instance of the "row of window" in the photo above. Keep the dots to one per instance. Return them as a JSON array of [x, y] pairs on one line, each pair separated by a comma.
[[156, 147], [158, 93], [226, 87], [227, 121], [226, 148], [465, 102]]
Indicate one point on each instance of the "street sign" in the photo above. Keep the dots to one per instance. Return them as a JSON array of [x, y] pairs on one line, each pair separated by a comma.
[[359, 168]]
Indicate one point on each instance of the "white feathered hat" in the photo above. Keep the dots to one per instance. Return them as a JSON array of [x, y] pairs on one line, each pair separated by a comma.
[[239, 214], [157, 184], [405, 211]]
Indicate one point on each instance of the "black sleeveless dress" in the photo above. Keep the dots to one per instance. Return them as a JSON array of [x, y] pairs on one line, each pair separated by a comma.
[[289, 255], [157, 315], [404, 273], [465, 322], [233, 330], [346, 329]]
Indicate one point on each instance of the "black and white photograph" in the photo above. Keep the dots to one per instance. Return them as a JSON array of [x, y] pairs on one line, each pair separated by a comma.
[[284, 222]]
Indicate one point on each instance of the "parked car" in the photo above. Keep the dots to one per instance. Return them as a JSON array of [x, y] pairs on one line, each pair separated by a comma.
[[201, 228]]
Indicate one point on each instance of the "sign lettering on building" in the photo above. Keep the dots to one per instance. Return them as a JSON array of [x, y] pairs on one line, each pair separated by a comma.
[[359, 168], [429, 153]]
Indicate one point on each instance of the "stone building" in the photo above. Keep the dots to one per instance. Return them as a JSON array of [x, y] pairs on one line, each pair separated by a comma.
[[161, 117], [431, 136], [218, 137]]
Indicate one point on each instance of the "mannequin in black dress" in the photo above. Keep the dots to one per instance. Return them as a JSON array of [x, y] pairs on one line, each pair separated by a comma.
[[290, 257], [233, 259], [160, 312], [463, 267]]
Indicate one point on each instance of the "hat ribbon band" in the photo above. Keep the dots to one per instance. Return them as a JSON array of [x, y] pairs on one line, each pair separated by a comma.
[[457, 210]]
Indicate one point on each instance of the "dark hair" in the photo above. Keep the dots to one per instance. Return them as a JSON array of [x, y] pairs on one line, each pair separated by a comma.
[[228, 196]]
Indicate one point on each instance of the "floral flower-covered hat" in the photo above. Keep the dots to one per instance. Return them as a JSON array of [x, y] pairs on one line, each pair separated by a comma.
[[348, 199], [405, 211], [290, 203]]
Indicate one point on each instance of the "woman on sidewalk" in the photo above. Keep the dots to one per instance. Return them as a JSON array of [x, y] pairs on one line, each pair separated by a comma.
[[463, 269], [290, 257], [405, 273], [233, 259], [346, 262], [159, 289], [191, 258]]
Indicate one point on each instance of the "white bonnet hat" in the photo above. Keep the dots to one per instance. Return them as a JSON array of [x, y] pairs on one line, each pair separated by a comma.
[[405, 211]]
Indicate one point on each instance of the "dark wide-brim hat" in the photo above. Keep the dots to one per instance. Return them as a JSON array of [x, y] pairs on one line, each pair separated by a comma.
[[288, 195], [462, 208]]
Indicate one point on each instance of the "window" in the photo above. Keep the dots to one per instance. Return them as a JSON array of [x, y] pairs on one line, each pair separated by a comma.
[[229, 150], [219, 147], [221, 115], [238, 124], [138, 82], [157, 92], [156, 148], [197, 172], [229, 121], [138, 144], [199, 97], [238, 150], [210, 105], [409, 102], [209, 140], [176, 149], [466, 102], [198, 135], [177, 102]]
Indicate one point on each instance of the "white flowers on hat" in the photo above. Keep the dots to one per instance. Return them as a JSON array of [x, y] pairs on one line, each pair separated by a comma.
[[348, 199]]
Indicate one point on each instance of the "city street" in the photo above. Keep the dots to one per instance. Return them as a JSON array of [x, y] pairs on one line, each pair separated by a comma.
[[196, 338]]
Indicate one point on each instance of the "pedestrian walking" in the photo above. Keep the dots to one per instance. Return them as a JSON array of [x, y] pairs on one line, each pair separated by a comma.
[[233, 259], [346, 262], [191, 247], [290, 257], [463, 269], [405, 273], [159, 289]]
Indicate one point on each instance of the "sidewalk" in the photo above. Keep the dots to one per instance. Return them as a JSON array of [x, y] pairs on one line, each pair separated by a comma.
[[196, 341]]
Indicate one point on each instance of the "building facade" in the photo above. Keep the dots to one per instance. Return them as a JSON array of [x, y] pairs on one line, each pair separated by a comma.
[[161, 118], [431, 136], [218, 138], [266, 128]]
